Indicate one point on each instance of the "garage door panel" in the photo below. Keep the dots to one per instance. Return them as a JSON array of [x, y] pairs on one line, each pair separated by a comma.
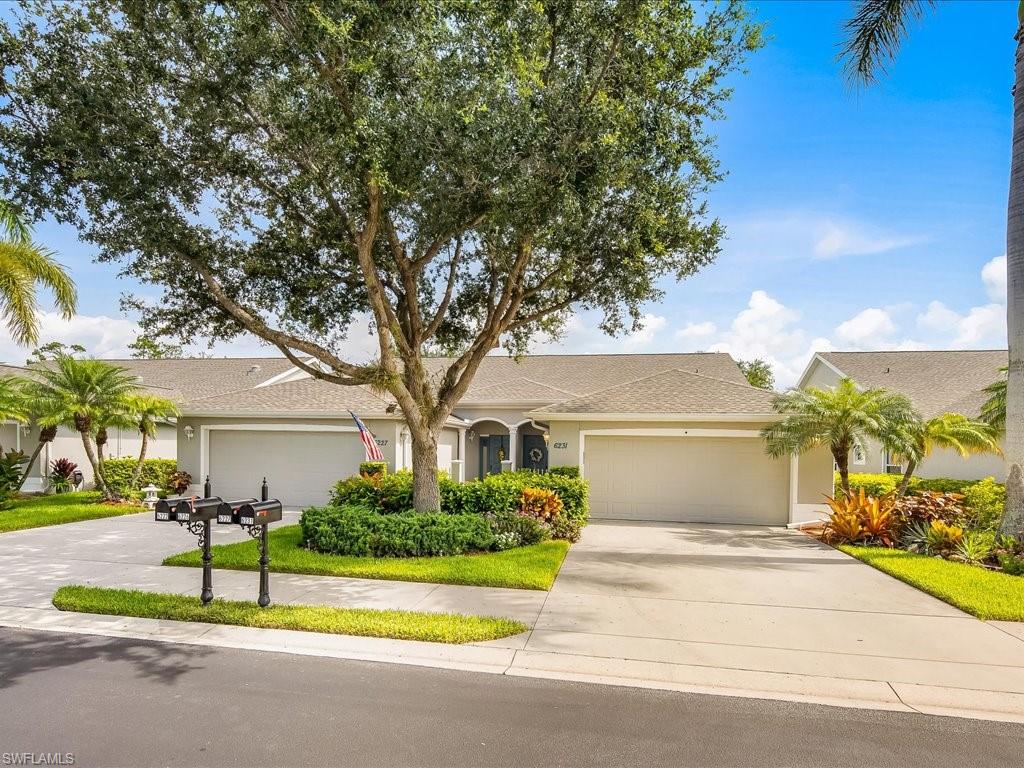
[[715, 480], [300, 467]]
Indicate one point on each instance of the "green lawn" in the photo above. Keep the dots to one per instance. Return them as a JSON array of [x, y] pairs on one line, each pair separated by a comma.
[[365, 622], [37, 511], [533, 567], [983, 593]]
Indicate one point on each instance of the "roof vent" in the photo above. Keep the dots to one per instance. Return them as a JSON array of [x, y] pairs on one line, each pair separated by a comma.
[[887, 370], [252, 370]]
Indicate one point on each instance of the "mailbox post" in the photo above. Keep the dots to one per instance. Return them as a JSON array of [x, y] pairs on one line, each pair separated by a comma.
[[255, 517], [197, 514]]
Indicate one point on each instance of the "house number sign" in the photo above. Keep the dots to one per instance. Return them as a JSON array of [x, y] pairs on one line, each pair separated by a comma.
[[559, 446]]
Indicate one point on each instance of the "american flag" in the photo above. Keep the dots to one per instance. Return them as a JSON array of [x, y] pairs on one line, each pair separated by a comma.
[[369, 442]]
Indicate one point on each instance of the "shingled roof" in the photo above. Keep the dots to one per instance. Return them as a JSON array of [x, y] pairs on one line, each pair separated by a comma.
[[670, 392], [936, 381]]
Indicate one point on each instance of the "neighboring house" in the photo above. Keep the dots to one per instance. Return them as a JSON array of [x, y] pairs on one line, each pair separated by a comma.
[[178, 379], [660, 437], [936, 382]]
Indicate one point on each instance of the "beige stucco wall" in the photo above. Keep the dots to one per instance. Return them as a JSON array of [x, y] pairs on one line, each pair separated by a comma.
[[815, 476], [941, 463], [122, 443]]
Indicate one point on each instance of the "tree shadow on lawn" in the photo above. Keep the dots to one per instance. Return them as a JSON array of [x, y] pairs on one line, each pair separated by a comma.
[[27, 653]]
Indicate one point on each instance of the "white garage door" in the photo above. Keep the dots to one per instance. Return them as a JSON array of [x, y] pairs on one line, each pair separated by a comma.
[[691, 479], [300, 467]]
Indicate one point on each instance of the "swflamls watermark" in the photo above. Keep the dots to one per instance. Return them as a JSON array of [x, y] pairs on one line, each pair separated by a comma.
[[37, 758]]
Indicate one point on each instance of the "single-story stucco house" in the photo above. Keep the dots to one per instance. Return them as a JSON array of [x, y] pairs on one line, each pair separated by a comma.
[[936, 382], [660, 437]]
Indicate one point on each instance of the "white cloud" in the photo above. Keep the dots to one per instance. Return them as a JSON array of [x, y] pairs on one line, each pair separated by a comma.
[[581, 335], [869, 328], [650, 326], [993, 274], [697, 330], [802, 234], [981, 326], [767, 329], [108, 337], [846, 238], [102, 336]]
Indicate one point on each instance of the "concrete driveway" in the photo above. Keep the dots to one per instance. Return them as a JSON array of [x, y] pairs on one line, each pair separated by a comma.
[[759, 611]]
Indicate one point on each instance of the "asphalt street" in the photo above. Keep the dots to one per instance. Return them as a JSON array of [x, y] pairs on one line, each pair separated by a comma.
[[113, 702]]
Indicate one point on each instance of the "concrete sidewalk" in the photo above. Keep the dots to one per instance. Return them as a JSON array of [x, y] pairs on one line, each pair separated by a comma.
[[753, 612]]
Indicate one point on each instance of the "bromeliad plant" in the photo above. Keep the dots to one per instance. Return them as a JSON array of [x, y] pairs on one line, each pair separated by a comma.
[[62, 472], [862, 518]]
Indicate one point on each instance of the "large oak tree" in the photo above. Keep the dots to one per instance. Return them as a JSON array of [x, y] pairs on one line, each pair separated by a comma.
[[462, 172]]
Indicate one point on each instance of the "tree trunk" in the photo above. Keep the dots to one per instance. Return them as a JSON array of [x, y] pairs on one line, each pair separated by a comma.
[[46, 435], [90, 453], [1013, 518], [137, 472], [426, 491], [905, 482], [843, 462]]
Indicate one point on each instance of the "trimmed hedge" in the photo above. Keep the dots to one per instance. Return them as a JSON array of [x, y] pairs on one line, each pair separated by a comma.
[[392, 494], [155, 471], [362, 532], [373, 468]]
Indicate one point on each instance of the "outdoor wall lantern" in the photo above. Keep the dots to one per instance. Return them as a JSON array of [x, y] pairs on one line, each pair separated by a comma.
[[189, 431]]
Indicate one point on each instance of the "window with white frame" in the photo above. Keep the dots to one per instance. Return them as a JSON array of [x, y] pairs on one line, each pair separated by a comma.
[[860, 458], [893, 465]]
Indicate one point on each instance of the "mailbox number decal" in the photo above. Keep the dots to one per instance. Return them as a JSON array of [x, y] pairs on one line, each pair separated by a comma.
[[559, 446]]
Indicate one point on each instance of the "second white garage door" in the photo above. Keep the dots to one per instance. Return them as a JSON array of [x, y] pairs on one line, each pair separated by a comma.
[[686, 479], [300, 467]]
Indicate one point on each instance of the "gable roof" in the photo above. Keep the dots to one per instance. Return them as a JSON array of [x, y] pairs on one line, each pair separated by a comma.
[[675, 392], [292, 398], [575, 375], [936, 381]]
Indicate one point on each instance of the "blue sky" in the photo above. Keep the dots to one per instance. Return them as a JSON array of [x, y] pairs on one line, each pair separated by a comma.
[[860, 219]]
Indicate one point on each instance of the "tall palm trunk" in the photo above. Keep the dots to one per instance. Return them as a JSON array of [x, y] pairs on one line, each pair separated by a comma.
[[137, 472], [90, 453], [46, 435], [1013, 518], [841, 455], [905, 482]]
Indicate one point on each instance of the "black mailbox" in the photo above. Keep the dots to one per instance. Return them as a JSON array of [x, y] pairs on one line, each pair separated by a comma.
[[227, 512], [197, 510], [165, 508], [260, 513]]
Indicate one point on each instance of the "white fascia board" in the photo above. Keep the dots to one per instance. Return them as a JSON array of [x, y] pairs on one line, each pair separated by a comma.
[[810, 366], [292, 374], [654, 417]]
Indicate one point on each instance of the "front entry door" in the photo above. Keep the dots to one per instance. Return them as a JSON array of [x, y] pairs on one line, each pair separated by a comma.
[[493, 450], [535, 453]]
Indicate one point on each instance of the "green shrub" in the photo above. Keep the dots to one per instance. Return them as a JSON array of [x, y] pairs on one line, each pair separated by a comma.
[[392, 494], [373, 468], [156, 471], [514, 530], [941, 484], [12, 465], [873, 484], [568, 471], [985, 501], [363, 532]]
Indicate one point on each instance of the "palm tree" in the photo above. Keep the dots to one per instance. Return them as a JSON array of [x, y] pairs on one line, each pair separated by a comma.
[[952, 431], [873, 38], [148, 411], [839, 418], [82, 394], [14, 404], [46, 435], [24, 267], [993, 412]]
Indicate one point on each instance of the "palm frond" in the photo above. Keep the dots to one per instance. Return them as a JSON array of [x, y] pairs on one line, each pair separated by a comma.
[[872, 37], [13, 223], [993, 412]]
